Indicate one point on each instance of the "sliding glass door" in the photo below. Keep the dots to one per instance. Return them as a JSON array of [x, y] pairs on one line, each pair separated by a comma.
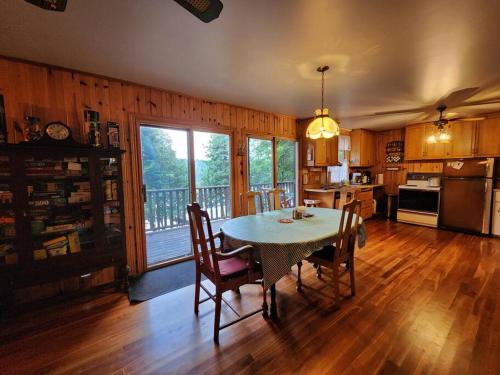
[[286, 160], [165, 175], [178, 167], [212, 160], [273, 163]]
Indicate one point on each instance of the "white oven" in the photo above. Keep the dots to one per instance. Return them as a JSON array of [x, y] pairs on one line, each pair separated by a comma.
[[419, 204]]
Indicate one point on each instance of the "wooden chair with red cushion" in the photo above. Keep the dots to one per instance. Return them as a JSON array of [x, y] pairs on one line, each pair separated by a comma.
[[339, 257], [226, 270]]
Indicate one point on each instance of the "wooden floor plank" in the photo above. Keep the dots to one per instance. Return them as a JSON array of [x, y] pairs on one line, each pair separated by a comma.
[[427, 301]]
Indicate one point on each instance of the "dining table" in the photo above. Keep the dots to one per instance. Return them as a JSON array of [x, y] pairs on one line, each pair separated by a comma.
[[280, 243]]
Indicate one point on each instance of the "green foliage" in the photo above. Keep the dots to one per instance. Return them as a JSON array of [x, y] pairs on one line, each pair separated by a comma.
[[216, 169], [260, 155], [286, 161], [160, 166]]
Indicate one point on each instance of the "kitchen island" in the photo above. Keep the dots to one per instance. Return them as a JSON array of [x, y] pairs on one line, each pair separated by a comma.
[[329, 197]]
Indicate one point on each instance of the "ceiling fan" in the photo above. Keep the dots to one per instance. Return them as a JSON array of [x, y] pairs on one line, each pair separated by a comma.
[[454, 100], [205, 10]]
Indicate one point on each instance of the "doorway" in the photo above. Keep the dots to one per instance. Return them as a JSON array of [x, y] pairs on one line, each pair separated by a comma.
[[180, 166]]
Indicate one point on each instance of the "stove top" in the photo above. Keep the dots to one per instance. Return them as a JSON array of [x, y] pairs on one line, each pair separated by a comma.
[[420, 187]]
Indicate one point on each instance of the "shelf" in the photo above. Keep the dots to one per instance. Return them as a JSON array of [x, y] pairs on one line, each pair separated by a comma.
[[59, 232], [57, 178]]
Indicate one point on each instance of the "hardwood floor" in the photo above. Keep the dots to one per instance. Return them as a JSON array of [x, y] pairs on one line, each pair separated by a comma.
[[427, 301]]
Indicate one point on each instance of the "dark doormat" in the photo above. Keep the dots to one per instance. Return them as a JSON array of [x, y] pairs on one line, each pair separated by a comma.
[[163, 280]]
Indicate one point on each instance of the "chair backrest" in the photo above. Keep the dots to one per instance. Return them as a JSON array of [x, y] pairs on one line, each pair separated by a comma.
[[273, 197], [346, 195], [203, 242], [252, 197], [348, 229]]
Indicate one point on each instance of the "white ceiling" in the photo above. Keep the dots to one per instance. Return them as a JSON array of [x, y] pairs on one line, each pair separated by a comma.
[[385, 55]]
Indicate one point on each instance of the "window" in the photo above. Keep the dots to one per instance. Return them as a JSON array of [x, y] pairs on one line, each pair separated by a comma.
[[263, 156], [339, 174]]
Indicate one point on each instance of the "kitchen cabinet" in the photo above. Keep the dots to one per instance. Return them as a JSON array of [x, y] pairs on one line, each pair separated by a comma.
[[462, 143], [488, 137], [414, 142], [321, 152], [462, 139], [435, 150], [362, 148]]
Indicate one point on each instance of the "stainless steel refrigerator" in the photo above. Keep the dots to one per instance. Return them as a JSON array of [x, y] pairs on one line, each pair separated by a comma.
[[467, 195]]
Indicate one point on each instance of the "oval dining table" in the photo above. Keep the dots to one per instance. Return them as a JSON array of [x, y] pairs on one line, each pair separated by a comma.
[[278, 245]]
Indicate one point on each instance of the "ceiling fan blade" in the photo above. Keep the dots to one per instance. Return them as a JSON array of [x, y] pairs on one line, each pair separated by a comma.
[[55, 5], [205, 10], [481, 102], [425, 117], [401, 111], [457, 97], [467, 119]]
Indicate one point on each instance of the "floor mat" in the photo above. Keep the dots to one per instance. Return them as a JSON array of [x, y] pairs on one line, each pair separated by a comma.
[[163, 280]]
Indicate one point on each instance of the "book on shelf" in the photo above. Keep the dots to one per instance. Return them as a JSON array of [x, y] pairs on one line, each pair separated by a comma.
[[74, 242], [39, 254], [59, 228], [54, 252], [7, 217], [55, 241]]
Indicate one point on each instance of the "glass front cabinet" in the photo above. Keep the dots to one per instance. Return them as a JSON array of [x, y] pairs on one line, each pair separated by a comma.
[[61, 214]]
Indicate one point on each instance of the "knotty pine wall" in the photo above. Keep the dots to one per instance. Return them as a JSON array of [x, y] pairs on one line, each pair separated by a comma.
[[58, 94]]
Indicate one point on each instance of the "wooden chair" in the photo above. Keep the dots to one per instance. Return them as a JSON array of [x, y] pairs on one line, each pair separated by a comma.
[[346, 195], [252, 197], [339, 257], [226, 270], [312, 202], [274, 201]]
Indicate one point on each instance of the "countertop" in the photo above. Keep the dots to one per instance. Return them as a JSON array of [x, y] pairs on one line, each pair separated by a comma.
[[367, 186]]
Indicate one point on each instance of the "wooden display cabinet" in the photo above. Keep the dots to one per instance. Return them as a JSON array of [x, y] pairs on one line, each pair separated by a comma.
[[61, 216]]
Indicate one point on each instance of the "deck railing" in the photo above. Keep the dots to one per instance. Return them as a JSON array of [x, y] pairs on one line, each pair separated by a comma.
[[166, 208]]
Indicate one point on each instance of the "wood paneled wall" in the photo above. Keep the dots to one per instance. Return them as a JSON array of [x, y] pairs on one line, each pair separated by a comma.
[[57, 94], [394, 178]]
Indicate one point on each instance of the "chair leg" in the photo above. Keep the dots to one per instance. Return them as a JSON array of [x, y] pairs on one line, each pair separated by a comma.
[[218, 302], [265, 308], [237, 290], [336, 288], [299, 279], [197, 291], [351, 273]]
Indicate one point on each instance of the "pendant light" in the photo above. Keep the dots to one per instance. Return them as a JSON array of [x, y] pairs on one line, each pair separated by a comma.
[[442, 135], [323, 126]]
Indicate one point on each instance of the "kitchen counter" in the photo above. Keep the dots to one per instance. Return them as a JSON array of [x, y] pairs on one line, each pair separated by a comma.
[[329, 198], [367, 187]]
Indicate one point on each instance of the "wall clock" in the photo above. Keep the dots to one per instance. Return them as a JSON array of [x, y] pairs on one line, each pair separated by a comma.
[[57, 131]]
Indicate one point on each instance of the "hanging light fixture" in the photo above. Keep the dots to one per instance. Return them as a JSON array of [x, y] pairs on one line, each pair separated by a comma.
[[442, 135], [323, 126]]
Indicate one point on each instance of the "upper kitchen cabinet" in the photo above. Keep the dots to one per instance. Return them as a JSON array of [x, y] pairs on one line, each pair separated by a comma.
[[325, 151], [462, 139], [362, 148], [461, 145], [434, 150], [488, 137], [319, 152], [414, 142]]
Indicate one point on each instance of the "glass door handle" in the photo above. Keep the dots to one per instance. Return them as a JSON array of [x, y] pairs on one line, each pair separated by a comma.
[[144, 195]]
